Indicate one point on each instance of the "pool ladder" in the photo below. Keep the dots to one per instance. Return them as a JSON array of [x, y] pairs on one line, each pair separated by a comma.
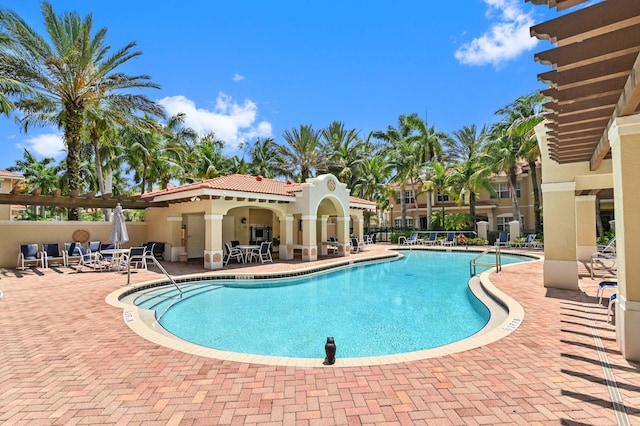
[[474, 262]]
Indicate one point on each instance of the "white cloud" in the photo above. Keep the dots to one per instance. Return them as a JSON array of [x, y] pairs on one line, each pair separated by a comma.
[[507, 38], [231, 121], [45, 145], [237, 77]]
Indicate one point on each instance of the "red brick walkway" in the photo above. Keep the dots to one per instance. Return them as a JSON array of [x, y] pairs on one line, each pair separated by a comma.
[[68, 358]]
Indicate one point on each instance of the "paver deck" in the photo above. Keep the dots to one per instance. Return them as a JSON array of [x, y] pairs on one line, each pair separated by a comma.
[[68, 358]]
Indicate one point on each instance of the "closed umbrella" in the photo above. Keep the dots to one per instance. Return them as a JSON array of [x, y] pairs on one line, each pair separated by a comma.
[[119, 233]]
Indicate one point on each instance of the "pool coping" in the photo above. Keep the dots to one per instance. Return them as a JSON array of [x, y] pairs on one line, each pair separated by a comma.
[[506, 315]]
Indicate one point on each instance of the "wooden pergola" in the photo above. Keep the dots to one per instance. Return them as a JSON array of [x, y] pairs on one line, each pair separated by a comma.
[[595, 77], [75, 199]]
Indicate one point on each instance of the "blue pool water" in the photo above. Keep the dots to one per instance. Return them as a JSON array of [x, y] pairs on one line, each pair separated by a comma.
[[419, 302]]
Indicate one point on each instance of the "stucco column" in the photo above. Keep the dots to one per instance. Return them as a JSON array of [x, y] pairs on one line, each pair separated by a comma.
[[560, 264], [309, 239], [624, 137], [585, 227], [483, 230], [175, 225], [321, 231], [514, 230], [213, 251], [491, 218], [286, 237], [344, 240], [358, 227]]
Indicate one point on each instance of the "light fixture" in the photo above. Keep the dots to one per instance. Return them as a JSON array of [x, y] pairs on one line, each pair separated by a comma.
[[194, 199], [243, 220]]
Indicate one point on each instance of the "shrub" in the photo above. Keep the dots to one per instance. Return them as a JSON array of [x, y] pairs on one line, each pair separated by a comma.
[[477, 242]]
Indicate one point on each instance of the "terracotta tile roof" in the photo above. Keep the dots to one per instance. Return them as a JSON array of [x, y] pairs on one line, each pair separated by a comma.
[[237, 182], [6, 173], [353, 200]]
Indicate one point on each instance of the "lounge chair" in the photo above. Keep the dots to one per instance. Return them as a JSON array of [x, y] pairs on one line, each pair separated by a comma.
[[28, 256], [136, 259], [433, 239], [450, 240], [355, 245], [503, 239], [605, 257], [70, 253], [611, 283], [232, 252], [93, 246], [527, 243], [413, 239], [92, 260], [51, 254], [263, 253]]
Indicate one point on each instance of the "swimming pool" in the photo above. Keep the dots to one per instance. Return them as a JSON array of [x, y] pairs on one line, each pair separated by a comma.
[[419, 302]]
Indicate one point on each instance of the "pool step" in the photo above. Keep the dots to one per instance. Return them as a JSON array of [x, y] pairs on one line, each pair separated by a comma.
[[157, 298]]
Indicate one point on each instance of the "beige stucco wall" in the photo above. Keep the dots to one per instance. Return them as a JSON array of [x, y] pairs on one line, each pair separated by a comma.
[[15, 233]]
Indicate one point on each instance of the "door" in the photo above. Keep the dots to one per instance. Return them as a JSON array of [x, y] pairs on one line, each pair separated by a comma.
[[195, 235]]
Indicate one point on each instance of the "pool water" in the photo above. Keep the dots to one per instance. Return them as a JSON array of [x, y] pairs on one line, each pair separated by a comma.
[[419, 302]]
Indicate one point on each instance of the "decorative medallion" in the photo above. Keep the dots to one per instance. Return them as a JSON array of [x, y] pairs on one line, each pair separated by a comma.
[[331, 184], [80, 236]]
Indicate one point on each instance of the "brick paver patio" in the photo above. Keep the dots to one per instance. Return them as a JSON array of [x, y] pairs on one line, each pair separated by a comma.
[[68, 358]]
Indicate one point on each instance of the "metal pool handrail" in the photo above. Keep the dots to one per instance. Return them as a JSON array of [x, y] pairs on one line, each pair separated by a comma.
[[474, 262], [155, 261]]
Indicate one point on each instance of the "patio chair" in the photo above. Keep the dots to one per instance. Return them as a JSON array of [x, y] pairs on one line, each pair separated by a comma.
[[232, 252], [28, 256], [611, 283], [91, 260], [605, 257], [433, 239], [136, 259], [149, 249], [355, 245], [503, 240], [612, 301], [263, 253], [107, 246], [413, 239], [51, 254], [71, 256], [450, 240], [93, 246], [332, 248]]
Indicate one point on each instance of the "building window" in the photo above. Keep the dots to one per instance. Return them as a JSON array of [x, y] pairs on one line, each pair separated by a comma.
[[398, 222], [440, 198], [502, 190], [502, 223], [409, 197]]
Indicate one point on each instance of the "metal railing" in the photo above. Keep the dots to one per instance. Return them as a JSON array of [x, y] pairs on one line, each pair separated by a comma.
[[473, 263], [155, 261]]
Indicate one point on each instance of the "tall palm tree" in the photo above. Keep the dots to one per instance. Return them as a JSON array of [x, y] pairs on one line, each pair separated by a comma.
[[303, 155], [264, 156], [429, 145], [465, 147], [344, 151], [404, 159], [67, 76], [372, 180], [441, 180], [205, 159]]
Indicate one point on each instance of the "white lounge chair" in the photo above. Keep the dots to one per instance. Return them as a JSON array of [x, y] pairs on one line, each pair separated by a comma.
[[503, 240], [355, 245], [28, 256], [612, 301], [605, 257], [433, 239], [450, 240], [51, 255]]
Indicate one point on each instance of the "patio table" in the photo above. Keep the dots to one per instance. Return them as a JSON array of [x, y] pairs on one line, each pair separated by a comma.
[[247, 249]]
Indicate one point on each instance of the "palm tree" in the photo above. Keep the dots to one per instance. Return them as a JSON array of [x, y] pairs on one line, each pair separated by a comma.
[[264, 157], [205, 159], [429, 145], [514, 136], [38, 174], [404, 159], [441, 180], [372, 180], [72, 74], [464, 147], [344, 151], [302, 156]]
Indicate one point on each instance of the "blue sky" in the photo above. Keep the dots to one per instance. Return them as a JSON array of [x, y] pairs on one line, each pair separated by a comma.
[[245, 69]]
